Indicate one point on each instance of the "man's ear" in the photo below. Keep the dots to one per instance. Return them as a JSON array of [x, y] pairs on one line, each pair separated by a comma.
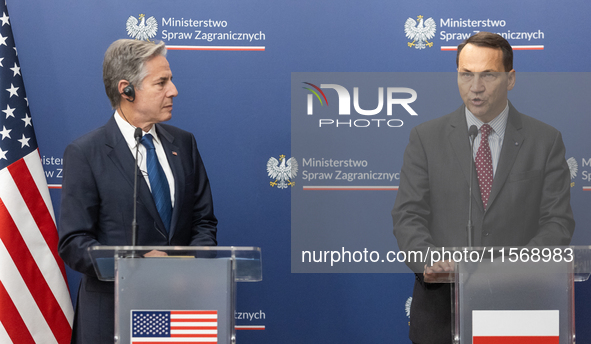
[[510, 80], [126, 90]]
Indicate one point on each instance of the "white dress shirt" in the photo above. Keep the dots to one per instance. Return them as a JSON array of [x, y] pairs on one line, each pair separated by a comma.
[[128, 131], [495, 138]]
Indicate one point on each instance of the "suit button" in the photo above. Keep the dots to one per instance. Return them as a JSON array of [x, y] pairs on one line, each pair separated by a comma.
[[485, 234]]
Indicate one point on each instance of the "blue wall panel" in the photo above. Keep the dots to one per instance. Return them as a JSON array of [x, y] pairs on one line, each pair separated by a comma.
[[238, 105]]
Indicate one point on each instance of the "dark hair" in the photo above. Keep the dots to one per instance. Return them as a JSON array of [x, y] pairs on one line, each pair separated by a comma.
[[490, 40]]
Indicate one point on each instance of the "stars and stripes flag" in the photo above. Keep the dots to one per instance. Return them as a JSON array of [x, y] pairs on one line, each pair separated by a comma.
[[35, 304], [187, 327]]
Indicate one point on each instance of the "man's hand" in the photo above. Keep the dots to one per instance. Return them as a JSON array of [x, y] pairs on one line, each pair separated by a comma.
[[155, 253], [440, 272]]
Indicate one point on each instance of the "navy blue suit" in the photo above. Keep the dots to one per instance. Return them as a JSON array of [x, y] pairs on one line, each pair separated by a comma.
[[97, 209]]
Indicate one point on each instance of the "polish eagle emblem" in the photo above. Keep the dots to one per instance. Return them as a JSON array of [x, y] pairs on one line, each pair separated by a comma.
[[407, 305], [573, 167], [282, 171], [420, 32], [146, 29]]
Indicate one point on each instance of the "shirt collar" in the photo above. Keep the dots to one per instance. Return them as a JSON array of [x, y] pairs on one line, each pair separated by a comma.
[[498, 124], [128, 130]]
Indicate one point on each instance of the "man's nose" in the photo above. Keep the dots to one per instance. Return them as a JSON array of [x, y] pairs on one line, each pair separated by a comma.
[[477, 84], [173, 92]]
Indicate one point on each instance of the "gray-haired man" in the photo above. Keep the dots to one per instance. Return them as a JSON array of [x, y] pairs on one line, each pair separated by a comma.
[[174, 199]]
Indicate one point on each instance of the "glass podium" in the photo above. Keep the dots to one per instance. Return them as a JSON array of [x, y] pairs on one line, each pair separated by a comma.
[[515, 294], [188, 295]]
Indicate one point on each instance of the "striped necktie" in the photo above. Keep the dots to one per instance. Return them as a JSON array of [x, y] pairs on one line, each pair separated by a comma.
[[158, 182]]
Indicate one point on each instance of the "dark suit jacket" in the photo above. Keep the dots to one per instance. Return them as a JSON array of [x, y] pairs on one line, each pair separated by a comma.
[[529, 203], [97, 209]]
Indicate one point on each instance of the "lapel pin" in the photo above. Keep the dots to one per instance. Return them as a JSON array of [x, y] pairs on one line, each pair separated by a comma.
[[174, 153]]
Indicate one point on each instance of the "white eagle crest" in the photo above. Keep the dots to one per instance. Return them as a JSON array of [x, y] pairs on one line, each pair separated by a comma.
[[145, 30], [282, 173], [420, 33], [573, 167], [407, 306]]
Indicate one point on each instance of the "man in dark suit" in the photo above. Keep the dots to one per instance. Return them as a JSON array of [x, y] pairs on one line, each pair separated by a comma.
[[521, 195], [97, 191]]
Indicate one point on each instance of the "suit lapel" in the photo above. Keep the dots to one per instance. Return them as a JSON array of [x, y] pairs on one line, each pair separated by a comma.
[[460, 142], [119, 152], [123, 159], [176, 166], [512, 143]]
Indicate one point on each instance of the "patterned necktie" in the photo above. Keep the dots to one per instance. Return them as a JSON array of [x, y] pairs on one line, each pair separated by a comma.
[[484, 166], [158, 182]]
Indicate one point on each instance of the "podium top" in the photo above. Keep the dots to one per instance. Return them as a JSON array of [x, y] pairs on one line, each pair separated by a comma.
[[247, 260], [575, 260]]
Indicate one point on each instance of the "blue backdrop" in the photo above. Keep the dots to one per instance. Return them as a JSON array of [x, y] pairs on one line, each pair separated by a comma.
[[237, 102]]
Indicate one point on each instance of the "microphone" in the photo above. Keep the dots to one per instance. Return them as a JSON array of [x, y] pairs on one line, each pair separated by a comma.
[[137, 136], [472, 133]]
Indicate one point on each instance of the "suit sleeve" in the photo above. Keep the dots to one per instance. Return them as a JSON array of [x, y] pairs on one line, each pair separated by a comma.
[[204, 225], [412, 210], [556, 224], [79, 211]]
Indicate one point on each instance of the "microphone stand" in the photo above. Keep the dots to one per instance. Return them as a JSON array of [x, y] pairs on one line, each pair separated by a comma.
[[137, 135]]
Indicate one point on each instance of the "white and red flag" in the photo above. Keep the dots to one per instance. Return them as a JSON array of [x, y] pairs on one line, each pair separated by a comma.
[[35, 304], [515, 327]]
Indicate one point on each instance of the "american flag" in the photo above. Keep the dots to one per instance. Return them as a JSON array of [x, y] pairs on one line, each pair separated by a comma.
[[35, 304], [151, 327]]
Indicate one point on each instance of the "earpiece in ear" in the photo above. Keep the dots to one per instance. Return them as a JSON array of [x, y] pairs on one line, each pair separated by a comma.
[[129, 91]]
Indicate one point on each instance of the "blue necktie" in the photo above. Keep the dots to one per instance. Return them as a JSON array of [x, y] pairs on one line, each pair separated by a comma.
[[158, 182]]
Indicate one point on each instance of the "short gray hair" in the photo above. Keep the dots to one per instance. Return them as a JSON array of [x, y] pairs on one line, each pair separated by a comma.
[[125, 59]]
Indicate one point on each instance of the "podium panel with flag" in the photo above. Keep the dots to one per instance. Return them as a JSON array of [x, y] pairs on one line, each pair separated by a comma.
[[188, 296], [503, 299]]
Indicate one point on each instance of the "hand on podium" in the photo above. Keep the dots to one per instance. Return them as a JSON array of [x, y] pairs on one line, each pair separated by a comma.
[[440, 272], [155, 253]]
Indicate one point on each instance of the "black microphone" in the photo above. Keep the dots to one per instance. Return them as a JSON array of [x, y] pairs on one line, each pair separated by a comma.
[[137, 135], [472, 133]]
